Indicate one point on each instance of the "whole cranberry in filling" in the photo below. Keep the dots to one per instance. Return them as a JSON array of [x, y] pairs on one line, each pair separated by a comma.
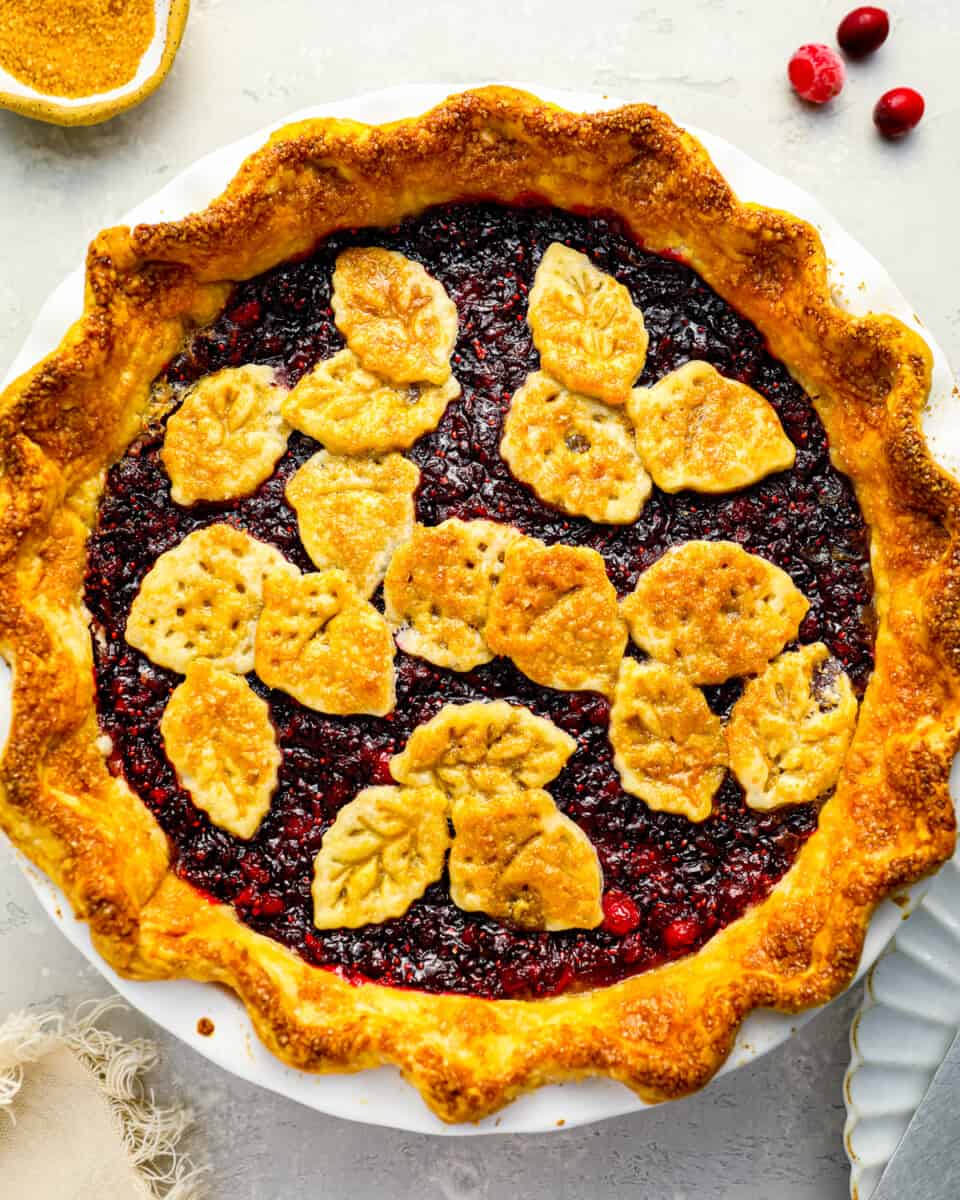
[[669, 884]]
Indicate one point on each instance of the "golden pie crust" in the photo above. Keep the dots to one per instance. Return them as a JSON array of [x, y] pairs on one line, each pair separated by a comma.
[[218, 736], [319, 641], [554, 612], [439, 587], [226, 437], [483, 747], [203, 599], [353, 513], [890, 819], [788, 733], [516, 857], [588, 332], [351, 411], [576, 453], [668, 747], [387, 845], [397, 319], [697, 429], [712, 610]]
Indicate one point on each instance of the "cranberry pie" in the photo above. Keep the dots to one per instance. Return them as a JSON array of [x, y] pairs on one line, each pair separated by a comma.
[[473, 593]]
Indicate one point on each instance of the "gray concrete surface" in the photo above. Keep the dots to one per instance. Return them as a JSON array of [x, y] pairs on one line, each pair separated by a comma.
[[774, 1129]]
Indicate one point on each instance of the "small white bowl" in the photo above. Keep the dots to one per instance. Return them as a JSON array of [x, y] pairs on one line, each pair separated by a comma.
[[170, 17]]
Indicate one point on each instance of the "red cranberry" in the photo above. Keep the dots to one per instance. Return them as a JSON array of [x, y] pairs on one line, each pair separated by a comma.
[[620, 915], [816, 73], [898, 111], [863, 31], [681, 933]]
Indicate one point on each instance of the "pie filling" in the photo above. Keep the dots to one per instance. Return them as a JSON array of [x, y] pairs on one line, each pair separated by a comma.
[[685, 879]]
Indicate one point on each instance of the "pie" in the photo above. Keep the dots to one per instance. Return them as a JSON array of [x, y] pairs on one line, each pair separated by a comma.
[[473, 593]]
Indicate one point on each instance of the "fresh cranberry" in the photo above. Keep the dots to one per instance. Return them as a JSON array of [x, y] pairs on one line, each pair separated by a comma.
[[816, 73], [898, 111], [620, 915], [681, 934], [863, 31]]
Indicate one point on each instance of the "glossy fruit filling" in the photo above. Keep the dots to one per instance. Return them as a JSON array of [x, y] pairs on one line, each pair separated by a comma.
[[670, 884]]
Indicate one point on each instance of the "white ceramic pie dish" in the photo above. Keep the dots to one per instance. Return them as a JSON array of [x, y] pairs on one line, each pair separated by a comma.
[[381, 1097], [909, 1017]]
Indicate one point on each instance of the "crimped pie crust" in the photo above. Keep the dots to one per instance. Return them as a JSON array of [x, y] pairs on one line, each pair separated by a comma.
[[665, 1032]]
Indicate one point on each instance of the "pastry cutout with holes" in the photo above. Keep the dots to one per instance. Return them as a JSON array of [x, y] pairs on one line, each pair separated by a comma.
[[576, 453], [319, 641], [518, 859], [218, 736], [354, 512], [555, 614], [589, 333], [713, 611], [668, 746], [486, 746], [201, 600], [438, 588], [226, 437], [697, 429], [397, 319], [380, 855], [351, 411], [789, 732]]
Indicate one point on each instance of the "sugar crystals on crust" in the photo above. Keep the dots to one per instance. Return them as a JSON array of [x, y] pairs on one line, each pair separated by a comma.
[[555, 614], [697, 429], [712, 611], [789, 732], [226, 437], [354, 512], [380, 855], [352, 411], [518, 859], [589, 333], [576, 453], [668, 745], [218, 736], [397, 319], [201, 600], [438, 588], [323, 644], [485, 746]]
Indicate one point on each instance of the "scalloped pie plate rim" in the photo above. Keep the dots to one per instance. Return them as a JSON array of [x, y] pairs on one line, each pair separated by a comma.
[[380, 1096]]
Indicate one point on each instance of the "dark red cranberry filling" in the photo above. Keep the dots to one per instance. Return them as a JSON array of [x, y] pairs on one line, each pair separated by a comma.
[[674, 883]]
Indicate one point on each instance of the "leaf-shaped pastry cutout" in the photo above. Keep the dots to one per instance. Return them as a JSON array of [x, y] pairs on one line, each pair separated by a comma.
[[790, 730], [352, 411], [554, 612], [517, 858], [590, 334], [697, 429], [713, 611], [218, 736], [397, 319], [201, 600], [319, 641], [354, 512], [438, 588], [668, 745], [576, 453], [226, 437], [382, 852], [485, 746]]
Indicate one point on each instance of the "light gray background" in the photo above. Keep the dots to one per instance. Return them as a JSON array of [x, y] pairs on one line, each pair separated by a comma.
[[774, 1129]]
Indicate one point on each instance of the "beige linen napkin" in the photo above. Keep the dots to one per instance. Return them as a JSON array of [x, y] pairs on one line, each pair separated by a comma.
[[76, 1120]]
